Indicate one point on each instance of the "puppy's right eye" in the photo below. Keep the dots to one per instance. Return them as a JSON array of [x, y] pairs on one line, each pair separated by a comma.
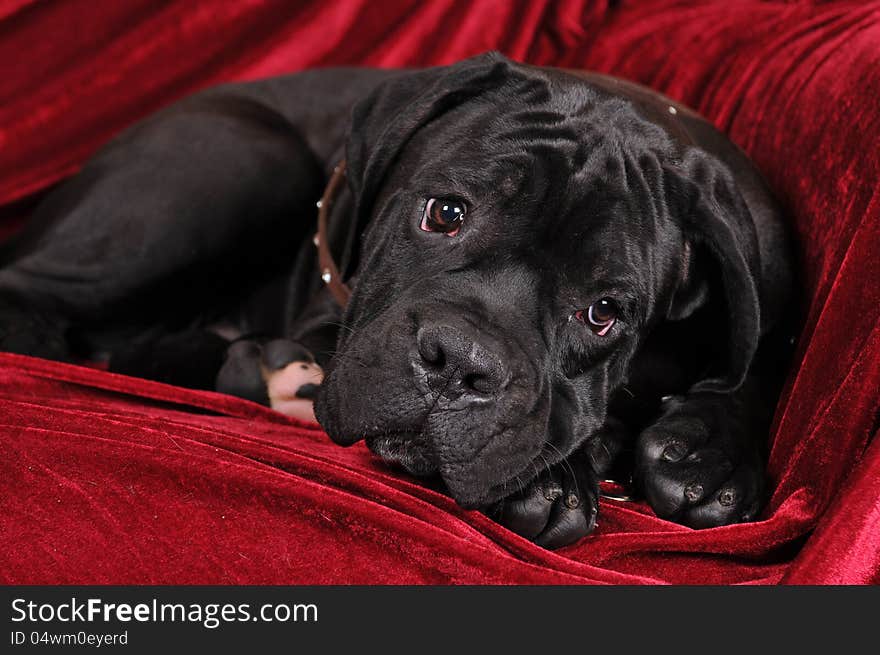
[[443, 215]]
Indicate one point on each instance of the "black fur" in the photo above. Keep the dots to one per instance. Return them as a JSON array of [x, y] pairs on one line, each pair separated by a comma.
[[457, 357]]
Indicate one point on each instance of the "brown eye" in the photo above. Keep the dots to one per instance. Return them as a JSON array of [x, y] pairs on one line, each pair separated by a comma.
[[443, 215], [600, 316]]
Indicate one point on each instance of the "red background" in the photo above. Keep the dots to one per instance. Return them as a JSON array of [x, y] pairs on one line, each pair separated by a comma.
[[107, 479]]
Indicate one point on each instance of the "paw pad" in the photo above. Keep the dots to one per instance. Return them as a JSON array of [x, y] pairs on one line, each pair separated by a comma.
[[308, 390]]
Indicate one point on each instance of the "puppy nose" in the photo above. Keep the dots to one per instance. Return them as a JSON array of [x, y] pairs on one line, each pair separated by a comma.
[[458, 365]]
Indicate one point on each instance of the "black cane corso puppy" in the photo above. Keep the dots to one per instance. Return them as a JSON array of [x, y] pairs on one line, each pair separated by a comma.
[[556, 276]]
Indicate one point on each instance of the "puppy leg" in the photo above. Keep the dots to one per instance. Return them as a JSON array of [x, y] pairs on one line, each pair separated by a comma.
[[28, 330], [279, 373], [610, 449], [190, 358], [700, 463], [180, 217]]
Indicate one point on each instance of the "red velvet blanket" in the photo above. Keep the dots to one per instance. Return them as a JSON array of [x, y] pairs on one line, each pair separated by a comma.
[[107, 479]]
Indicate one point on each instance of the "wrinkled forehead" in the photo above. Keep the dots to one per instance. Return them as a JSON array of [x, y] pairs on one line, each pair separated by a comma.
[[536, 136], [561, 168]]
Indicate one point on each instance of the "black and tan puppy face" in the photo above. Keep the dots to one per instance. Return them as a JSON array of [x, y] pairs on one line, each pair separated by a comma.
[[518, 248]]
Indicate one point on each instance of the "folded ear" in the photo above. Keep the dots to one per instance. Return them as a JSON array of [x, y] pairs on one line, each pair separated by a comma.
[[692, 289], [716, 222], [383, 122]]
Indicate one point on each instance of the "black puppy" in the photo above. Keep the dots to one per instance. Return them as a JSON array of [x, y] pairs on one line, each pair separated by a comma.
[[554, 274]]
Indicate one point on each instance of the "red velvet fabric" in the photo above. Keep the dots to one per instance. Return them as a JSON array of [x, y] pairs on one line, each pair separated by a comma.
[[106, 479]]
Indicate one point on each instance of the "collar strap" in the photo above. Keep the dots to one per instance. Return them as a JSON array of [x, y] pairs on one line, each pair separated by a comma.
[[330, 273]]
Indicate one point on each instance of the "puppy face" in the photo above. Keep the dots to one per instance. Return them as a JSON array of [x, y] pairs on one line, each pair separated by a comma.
[[518, 249]]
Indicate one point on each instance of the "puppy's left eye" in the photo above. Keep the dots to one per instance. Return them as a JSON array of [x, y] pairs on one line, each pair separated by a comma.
[[443, 215], [600, 316]]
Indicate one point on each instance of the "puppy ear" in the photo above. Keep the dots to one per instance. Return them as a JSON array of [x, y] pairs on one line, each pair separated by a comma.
[[717, 223], [383, 122], [692, 289]]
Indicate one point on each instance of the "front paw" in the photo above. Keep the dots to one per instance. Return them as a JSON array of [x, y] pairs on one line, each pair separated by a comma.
[[697, 467], [557, 508], [279, 373]]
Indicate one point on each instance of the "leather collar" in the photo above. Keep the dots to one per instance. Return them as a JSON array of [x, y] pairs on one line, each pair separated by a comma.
[[330, 273]]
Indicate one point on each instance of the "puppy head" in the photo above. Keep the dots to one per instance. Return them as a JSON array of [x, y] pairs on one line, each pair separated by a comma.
[[518, 245]]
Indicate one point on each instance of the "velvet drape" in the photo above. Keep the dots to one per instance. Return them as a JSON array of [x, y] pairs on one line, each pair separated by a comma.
[[107, 479]]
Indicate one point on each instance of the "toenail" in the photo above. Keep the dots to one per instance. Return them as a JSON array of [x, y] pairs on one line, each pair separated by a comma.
[[308, 391], [693, 492], [727, 497]]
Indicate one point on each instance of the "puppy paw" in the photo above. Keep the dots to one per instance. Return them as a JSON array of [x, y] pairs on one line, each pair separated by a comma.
[[697, 470], [278, 373], [557, 508], [292, 379]]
